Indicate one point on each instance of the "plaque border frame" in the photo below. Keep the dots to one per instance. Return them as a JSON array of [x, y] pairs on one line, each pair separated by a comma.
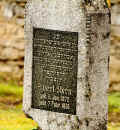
[[59, 31]]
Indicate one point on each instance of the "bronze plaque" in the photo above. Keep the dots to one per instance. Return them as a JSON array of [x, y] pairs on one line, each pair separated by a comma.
[[54, 75]]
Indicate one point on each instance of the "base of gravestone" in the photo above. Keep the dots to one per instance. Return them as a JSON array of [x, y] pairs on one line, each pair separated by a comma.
[[38, 128]]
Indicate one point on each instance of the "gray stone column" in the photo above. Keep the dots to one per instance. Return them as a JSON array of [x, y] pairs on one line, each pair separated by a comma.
[[91, 19]]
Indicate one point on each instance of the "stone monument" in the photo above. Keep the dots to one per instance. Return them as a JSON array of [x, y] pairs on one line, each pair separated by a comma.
[[66, 73]]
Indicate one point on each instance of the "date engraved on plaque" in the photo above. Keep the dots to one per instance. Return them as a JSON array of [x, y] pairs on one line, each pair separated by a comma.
[[54, 75]]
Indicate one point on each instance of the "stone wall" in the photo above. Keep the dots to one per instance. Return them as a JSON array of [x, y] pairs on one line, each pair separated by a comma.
[[12, 39], [115, 47], [12, 42]]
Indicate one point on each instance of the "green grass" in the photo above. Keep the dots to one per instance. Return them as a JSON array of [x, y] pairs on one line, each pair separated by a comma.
[[12, 117], [114, 126], [114, 102], [114, 111], [15, 120], [10, 90]]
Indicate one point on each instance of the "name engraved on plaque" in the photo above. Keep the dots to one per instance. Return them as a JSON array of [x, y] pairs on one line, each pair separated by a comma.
[[54, 75]]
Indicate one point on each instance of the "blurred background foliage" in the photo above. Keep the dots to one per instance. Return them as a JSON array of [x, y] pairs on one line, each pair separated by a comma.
[[12, 67], [109, 3]]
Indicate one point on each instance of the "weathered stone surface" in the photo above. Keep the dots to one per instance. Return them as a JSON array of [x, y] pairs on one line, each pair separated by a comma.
[[92, 79]]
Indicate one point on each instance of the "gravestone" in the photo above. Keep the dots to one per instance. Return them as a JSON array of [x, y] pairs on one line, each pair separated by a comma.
[[67, 64]]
